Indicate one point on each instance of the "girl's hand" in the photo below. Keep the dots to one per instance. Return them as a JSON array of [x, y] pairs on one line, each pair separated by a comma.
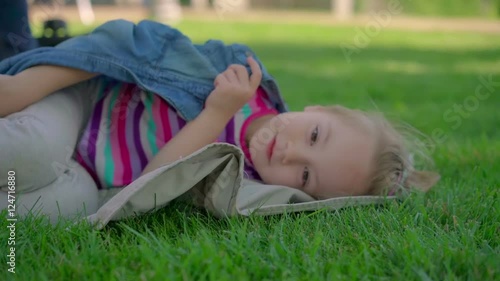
[[234, 88]]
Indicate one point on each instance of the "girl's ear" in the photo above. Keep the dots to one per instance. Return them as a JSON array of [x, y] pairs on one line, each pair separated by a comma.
[[422, 180]]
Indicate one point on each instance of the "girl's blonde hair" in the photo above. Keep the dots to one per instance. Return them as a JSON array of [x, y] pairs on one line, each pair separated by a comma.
[[395, 170]]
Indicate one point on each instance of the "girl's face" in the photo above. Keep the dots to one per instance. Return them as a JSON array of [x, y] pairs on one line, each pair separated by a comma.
[[318, 152]]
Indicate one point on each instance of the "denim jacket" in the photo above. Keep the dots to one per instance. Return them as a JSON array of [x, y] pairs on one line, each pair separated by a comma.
[[152, 55]]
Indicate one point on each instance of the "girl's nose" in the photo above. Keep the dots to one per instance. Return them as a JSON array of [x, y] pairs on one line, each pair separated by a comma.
[[293, 154]]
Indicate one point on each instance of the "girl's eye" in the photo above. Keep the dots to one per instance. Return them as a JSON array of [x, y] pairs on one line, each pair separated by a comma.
[[305, 176], [314, 135]]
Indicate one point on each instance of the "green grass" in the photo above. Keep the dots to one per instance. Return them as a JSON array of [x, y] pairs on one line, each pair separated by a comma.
[[451, 233]]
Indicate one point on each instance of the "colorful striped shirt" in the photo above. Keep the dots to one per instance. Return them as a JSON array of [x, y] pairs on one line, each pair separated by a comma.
[[128, 126]]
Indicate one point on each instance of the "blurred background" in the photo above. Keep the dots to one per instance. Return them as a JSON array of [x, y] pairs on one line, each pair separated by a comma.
[[440, 15], [172, 11], [414, 59], [341, 8]]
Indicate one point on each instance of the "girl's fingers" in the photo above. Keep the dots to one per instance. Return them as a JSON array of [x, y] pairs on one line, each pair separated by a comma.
[[241, 73], [236, 73], [230, 75], [256, 76], [220, 79]]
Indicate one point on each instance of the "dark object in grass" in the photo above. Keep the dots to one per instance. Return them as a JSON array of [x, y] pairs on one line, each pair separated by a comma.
[[55, 31]]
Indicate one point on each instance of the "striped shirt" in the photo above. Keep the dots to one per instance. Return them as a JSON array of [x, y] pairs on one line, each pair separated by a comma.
[[128, 126]]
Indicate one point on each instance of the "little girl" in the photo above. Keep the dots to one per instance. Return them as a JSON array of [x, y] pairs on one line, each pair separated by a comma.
[[104, 133]]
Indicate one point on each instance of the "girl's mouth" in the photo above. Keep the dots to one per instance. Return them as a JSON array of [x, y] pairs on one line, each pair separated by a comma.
[[270, 148]]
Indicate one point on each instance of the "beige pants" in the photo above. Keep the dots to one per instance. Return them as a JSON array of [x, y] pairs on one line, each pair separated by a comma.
[[37, 144]]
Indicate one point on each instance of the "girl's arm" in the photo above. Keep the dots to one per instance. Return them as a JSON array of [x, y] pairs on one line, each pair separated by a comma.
[[203, 130], [233, 88], [35, 83]]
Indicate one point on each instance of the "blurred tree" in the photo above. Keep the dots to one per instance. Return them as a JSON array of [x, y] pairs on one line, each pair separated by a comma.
[[223, 6], [199, 4], [168, 11], [85, 11], [376, 5], [343, 9]]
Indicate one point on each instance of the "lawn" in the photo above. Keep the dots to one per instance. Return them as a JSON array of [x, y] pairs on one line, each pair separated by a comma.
[[427, 79]]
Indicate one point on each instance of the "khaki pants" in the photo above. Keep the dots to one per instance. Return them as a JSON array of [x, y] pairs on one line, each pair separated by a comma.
[[37, 144]]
